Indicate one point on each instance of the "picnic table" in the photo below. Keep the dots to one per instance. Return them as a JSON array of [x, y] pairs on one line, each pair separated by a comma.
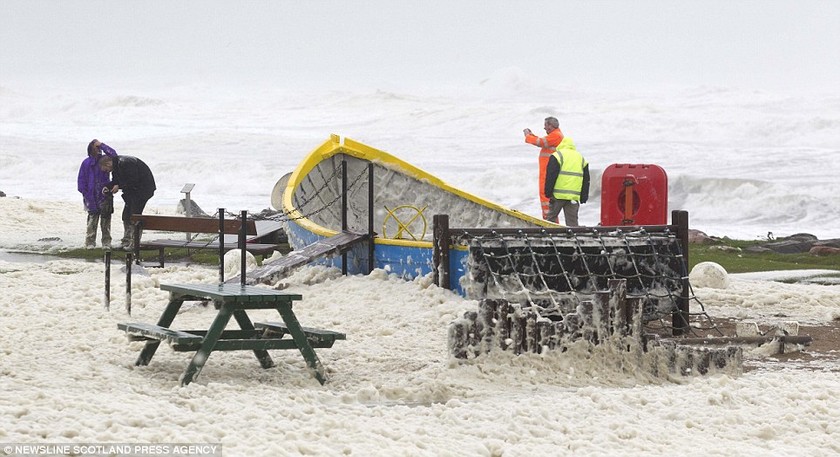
[[232, 300]]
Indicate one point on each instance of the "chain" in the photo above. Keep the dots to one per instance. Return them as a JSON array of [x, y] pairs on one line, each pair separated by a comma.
[[285, 216]]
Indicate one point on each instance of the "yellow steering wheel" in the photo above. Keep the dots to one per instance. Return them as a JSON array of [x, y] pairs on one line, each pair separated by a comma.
[[404, 227]]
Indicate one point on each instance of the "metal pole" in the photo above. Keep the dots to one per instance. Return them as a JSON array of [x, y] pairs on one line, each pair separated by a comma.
[[244, 218], [188, 187], [137, 229], [371, 246], [128, 261], [221, 245], [188, 212], [107, 280], [344, 212]]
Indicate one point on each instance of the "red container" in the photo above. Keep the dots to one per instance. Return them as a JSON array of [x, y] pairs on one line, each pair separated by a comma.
[[634, 194]]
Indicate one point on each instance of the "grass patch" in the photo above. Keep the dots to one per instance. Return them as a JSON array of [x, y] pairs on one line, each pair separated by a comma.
[[196, 256], [732, 256]]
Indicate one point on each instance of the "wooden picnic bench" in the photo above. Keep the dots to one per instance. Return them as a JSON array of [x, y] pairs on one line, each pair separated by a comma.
[[232, 300], [191, 225], [321, 338]]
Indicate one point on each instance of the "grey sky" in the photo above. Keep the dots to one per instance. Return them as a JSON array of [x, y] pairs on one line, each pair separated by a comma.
[[615, 44]]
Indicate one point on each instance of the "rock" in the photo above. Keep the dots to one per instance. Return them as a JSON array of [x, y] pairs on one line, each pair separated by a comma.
[[233, 262], [698, 237], [802, 237], [709, 274], [790, 246], [726, 248], [798, 243], [195, 210], [267, 213], [2, 194], [835, 243], [757, 249], [824, 250]]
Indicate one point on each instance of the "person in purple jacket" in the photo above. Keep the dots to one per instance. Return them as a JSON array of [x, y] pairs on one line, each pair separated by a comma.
[[99, 203]]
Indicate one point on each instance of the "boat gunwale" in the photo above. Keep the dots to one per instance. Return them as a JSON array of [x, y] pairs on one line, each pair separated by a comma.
[[337, 145]]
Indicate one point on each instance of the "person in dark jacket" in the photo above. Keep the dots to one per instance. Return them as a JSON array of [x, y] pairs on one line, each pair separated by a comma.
[[135, 179], [566, 182], [92, 182]]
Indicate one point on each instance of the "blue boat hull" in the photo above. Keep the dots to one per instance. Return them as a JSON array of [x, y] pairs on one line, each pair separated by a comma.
[[407, 262]]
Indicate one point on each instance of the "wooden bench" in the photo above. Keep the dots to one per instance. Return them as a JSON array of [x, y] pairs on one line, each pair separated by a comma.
[[256, 248], [180, 340], [233, 301], [195, 225], [317, 337]]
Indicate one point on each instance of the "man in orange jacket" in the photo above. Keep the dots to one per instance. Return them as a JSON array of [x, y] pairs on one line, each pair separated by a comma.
[[547, 145]]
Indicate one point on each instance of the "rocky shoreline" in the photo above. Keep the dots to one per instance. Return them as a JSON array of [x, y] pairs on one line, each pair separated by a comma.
[[800, 243]]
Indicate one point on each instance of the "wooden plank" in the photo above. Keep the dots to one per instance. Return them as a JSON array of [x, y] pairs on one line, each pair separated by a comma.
[[282, 328], [336, 244], [251, 344], [191, 224], [230, 334], [230, 293], [159, 333], [265, 344], [214, 244], [791, 339]]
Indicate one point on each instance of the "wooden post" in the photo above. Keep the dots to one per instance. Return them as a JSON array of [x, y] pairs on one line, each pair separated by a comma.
[[601, 314], [519, 328], [531, 338], [557, 335], [545, 332], [679, 318], [572, 325], [618, 305], [440, 255], [488, 312], [634, 317], [458, 339], [505, 310], [472, 330], [586, 310]]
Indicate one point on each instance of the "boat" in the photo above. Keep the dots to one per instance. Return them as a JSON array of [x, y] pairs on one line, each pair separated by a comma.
[[389, 201]]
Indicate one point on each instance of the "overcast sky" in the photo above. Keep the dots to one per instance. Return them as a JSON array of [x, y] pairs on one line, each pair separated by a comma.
[[768, 44]]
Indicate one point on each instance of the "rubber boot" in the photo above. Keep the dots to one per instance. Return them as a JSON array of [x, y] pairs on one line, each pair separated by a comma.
[[128, 231], [105, 225], [90, 238]]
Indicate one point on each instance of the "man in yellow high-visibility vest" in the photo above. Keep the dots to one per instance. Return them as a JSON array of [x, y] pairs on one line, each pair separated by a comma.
[[566, 182]]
